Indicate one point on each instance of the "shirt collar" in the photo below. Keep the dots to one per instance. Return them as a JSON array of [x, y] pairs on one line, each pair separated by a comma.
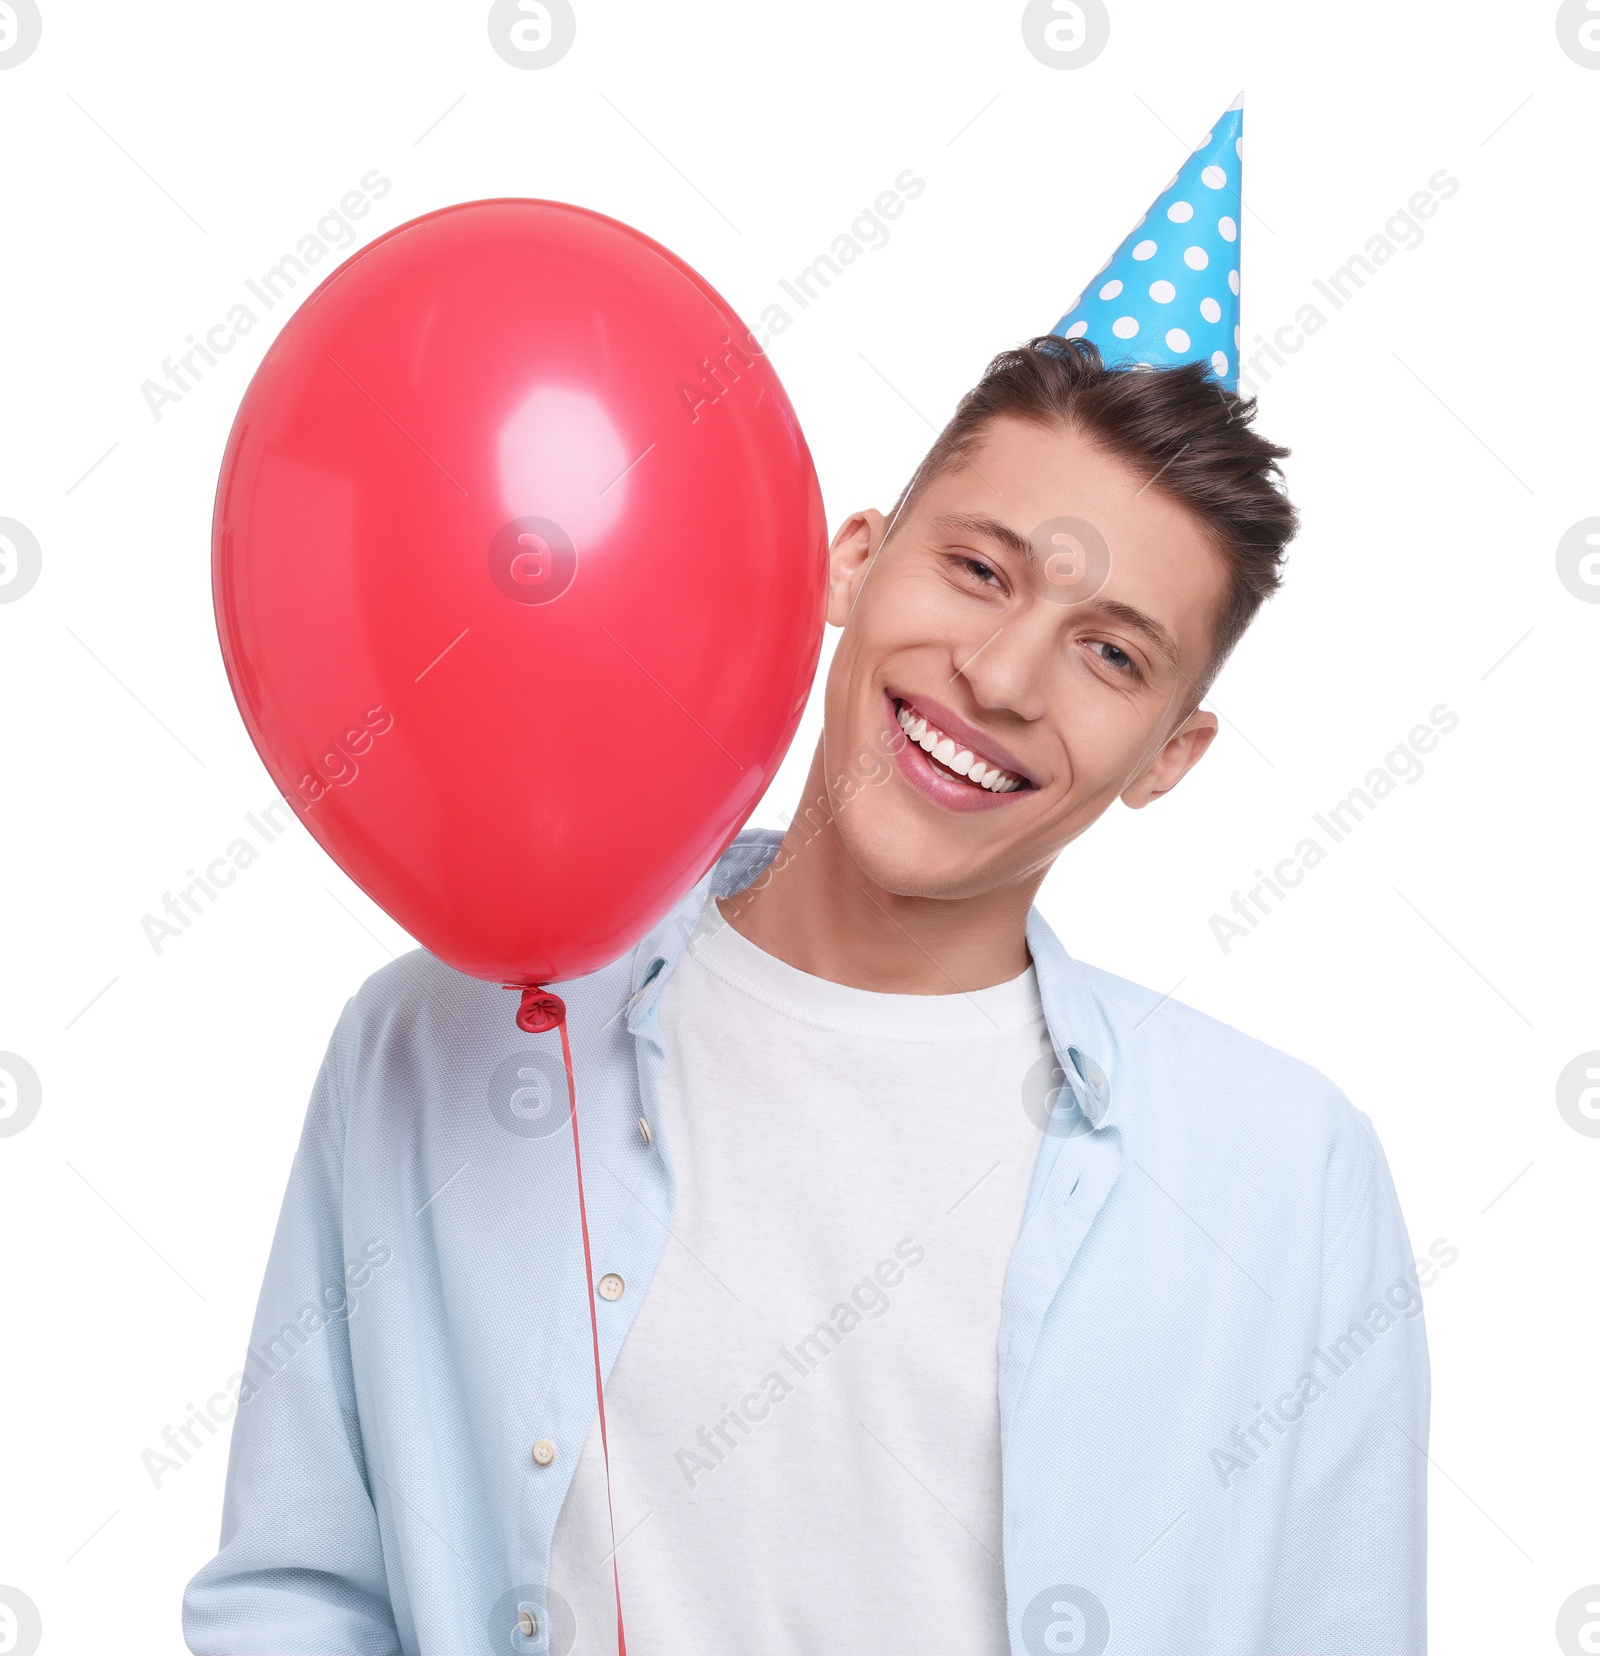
[[660, 948], [1078, 1028]]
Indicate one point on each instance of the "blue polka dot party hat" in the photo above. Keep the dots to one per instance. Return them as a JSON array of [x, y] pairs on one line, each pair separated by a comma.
[[1170, 293]]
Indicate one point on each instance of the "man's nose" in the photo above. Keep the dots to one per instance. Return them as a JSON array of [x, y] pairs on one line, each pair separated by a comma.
[[1009, 669]]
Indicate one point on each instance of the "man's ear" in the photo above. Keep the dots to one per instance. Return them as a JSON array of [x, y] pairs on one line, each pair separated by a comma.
[[1179, 754], [849, 558]]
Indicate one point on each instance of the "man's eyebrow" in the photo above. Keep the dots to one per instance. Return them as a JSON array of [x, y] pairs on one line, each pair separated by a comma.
[[976, 523], [1114, 609], [1160, 639]]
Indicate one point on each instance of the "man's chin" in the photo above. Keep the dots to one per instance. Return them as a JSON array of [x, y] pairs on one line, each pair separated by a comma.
[[916, 864]]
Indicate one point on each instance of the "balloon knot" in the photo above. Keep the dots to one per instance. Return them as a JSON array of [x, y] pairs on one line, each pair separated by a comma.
[[540, 1010]]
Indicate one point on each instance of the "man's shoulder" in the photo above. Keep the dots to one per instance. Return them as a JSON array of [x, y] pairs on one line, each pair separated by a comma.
[[415, 991], [1230, 1118], [420, 1006], [1191, 1073], [1152, 1023]]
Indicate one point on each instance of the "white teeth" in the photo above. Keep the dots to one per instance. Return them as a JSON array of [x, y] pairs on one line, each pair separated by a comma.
[[912, 725], [960, 760]]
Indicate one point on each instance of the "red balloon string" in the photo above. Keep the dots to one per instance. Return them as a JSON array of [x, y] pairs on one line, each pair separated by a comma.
[[541, 1011]]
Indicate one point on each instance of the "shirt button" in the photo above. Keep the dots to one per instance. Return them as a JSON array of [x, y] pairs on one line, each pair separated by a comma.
[[610, 1286], [527, 1624], [644, 1129], [544, 1451]]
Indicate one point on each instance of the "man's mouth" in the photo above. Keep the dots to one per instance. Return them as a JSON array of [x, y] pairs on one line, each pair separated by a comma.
[[952, 758]]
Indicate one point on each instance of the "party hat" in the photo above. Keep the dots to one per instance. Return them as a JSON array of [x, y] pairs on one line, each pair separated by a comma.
[[1170, 293]]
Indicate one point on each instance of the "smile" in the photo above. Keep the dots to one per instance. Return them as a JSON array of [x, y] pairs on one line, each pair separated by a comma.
[[953, 759]]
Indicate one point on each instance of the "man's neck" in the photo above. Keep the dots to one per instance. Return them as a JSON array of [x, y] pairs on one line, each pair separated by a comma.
[[819, 913]]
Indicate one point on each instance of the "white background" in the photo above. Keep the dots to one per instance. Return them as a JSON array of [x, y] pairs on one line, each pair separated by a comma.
[[1439, 966]]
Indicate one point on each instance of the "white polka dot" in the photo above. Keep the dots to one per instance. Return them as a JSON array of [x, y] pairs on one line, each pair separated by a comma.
[[1219, 362], [1142, 218], [1074, 305], [1106, 265], [1233, 280], [1238, 147], [1077, 330], [1196, 258], [1125, 327], [1211, 310], [1204, 141], [1111, 289], [1213, 178], [1180, 212], [1145, 250], [1229, 230], [1163, 292], [1170, 182], [1177, 340], [1236, 336]]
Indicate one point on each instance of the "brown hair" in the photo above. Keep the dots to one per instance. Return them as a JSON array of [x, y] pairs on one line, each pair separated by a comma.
[[1176, 427]]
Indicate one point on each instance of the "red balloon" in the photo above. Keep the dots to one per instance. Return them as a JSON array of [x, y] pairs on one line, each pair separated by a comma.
[[519, 566]]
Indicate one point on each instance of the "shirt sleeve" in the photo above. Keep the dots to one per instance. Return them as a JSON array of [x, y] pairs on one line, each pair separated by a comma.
[[300, 1568], [1353, 1574]]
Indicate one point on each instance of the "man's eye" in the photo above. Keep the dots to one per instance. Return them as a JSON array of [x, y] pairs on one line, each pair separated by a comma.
[[976, 566], [1115, 657]]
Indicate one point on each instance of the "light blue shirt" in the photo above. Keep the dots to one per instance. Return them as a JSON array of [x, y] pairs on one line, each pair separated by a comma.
[[1213, 1376]]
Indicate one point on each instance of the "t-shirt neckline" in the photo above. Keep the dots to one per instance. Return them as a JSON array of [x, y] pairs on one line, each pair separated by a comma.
[[730, 956]]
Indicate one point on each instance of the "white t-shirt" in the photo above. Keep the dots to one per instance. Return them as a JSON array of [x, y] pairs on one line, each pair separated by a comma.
[[804, 1426]]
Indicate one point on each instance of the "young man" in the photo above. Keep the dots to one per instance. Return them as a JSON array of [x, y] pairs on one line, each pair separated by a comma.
[[951, 1294]]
